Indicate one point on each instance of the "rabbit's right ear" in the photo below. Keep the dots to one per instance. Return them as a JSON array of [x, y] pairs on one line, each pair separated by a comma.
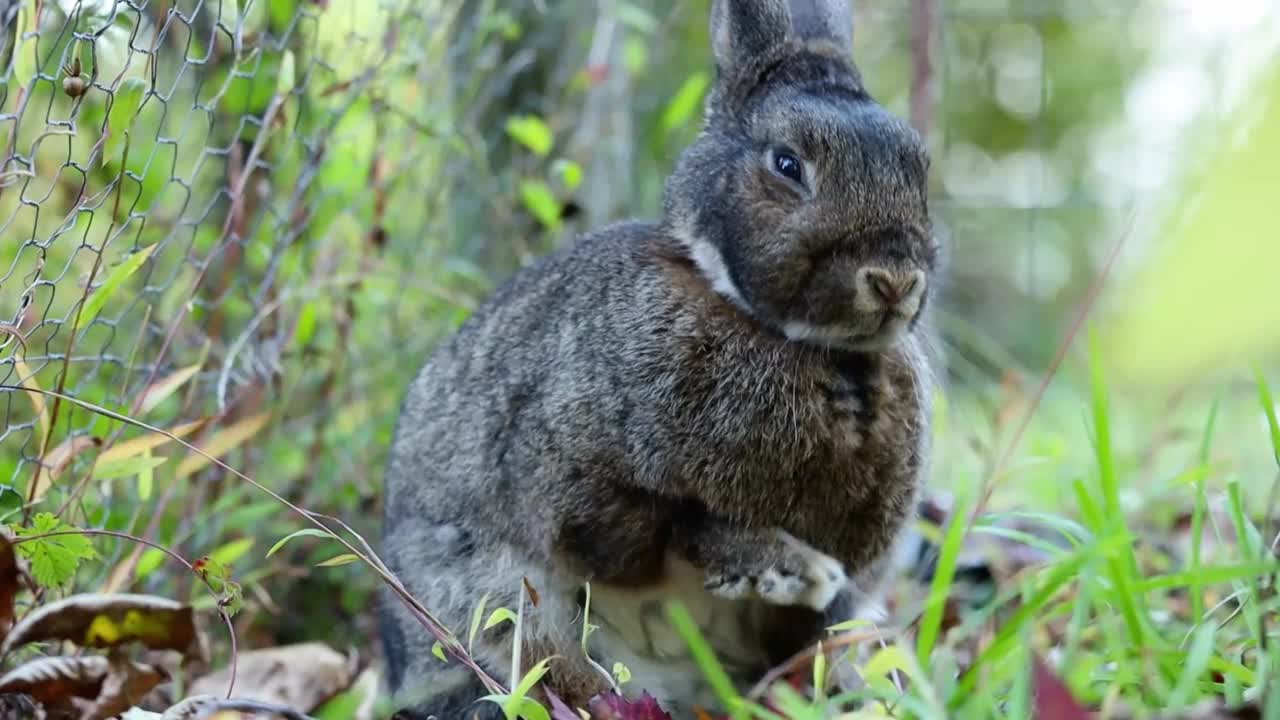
[[743, 29]]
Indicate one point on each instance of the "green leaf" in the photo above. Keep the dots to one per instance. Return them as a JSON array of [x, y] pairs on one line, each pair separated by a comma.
[[285, 77], [305, 532], [569, 172], [147, 476], [150, 561], [706, 660], [541, 203], [621, 673], [438, 650], [125, 102], [99, 297], [686, 102], [531, 132], [940, 590], [116, 469], [306, 327], [477, 615], [25, 57], [344, 559], [499, 616], [54, 560], [232, 551]]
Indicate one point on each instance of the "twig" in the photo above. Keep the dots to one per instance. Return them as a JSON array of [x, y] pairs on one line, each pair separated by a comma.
[[1091, 300], [806, 656]]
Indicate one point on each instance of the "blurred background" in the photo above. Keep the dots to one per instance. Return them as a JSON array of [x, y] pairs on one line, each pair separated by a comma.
[[248, 222]]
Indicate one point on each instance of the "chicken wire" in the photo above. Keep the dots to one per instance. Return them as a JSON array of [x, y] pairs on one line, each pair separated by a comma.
[[315, 209]]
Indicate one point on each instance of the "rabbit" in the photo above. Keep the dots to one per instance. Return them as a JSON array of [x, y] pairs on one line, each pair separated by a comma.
[[728, 408]]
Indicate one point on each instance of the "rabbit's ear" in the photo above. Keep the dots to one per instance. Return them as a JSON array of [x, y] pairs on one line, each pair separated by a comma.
[[743, 29], [823, 20]]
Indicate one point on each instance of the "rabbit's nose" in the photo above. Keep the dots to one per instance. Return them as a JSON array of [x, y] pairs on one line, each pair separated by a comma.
[[899, 291]]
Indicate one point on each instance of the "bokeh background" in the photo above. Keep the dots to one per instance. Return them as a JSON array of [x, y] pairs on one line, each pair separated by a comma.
[[250, 221]]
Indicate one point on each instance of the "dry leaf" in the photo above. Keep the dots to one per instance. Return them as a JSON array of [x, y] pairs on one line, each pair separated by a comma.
[[150, 441], [125, 685], [102, 621], [301, 676], [54, 681], [8, 583], [222, 442], [160, 390], [57, 460], [28, 381]]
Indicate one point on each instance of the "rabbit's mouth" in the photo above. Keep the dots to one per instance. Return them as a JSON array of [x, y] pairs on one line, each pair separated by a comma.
[[874, 334]]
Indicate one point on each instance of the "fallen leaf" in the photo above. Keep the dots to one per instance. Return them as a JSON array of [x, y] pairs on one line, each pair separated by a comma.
[[301, 676], [19, 706], [54, 681], [102, 621], [125, 685], [57, 460], [612, 706], [8, 583], [1053, 699]]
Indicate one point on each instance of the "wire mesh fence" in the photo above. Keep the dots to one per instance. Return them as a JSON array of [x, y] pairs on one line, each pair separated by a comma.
[[246, 222]]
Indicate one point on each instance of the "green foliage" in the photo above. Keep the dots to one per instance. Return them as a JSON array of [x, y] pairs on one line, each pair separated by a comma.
[[54, 560]]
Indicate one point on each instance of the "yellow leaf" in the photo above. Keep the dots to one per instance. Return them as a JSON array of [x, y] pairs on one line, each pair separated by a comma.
[[1212, 297], [159, 391], [345, 559], [57, 460], [150, 441], [28, 380], [221, 443]]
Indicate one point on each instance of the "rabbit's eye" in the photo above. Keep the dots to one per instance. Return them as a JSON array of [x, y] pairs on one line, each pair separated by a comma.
[[788, 166]]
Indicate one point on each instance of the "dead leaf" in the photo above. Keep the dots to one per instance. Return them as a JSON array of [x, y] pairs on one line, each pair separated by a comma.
[[612, 706], [1053, 699], [18, 706], [150, 441], [54, 681], [160, 390], [57, 460], [101, 621], [8, 583], [28, 381], [222, 442], [301, 676], [125, 685]]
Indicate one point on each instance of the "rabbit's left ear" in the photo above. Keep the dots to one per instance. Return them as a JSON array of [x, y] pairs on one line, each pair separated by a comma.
[[823, 20]]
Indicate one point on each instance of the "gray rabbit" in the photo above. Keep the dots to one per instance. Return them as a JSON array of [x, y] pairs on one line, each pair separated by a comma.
[[729, 407]]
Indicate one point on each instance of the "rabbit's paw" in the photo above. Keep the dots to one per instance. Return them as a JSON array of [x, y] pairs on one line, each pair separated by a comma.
[[800, 576]]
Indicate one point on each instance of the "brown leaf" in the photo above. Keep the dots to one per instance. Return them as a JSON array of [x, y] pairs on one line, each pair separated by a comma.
[[54, 681], [222, 442], [57, 460], [102, 621], [125, 685], [150, 441], [8, 583], [301, 676], [34, 392], [1053, 699]]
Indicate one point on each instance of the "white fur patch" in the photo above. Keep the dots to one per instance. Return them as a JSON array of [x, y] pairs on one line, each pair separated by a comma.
[[633, 630], [710, 262]]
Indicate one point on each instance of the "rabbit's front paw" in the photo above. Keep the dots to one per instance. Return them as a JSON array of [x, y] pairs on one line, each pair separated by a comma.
[[799, 576]]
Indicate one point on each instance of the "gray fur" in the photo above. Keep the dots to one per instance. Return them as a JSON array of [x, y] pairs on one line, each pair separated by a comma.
[[711, 408]]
